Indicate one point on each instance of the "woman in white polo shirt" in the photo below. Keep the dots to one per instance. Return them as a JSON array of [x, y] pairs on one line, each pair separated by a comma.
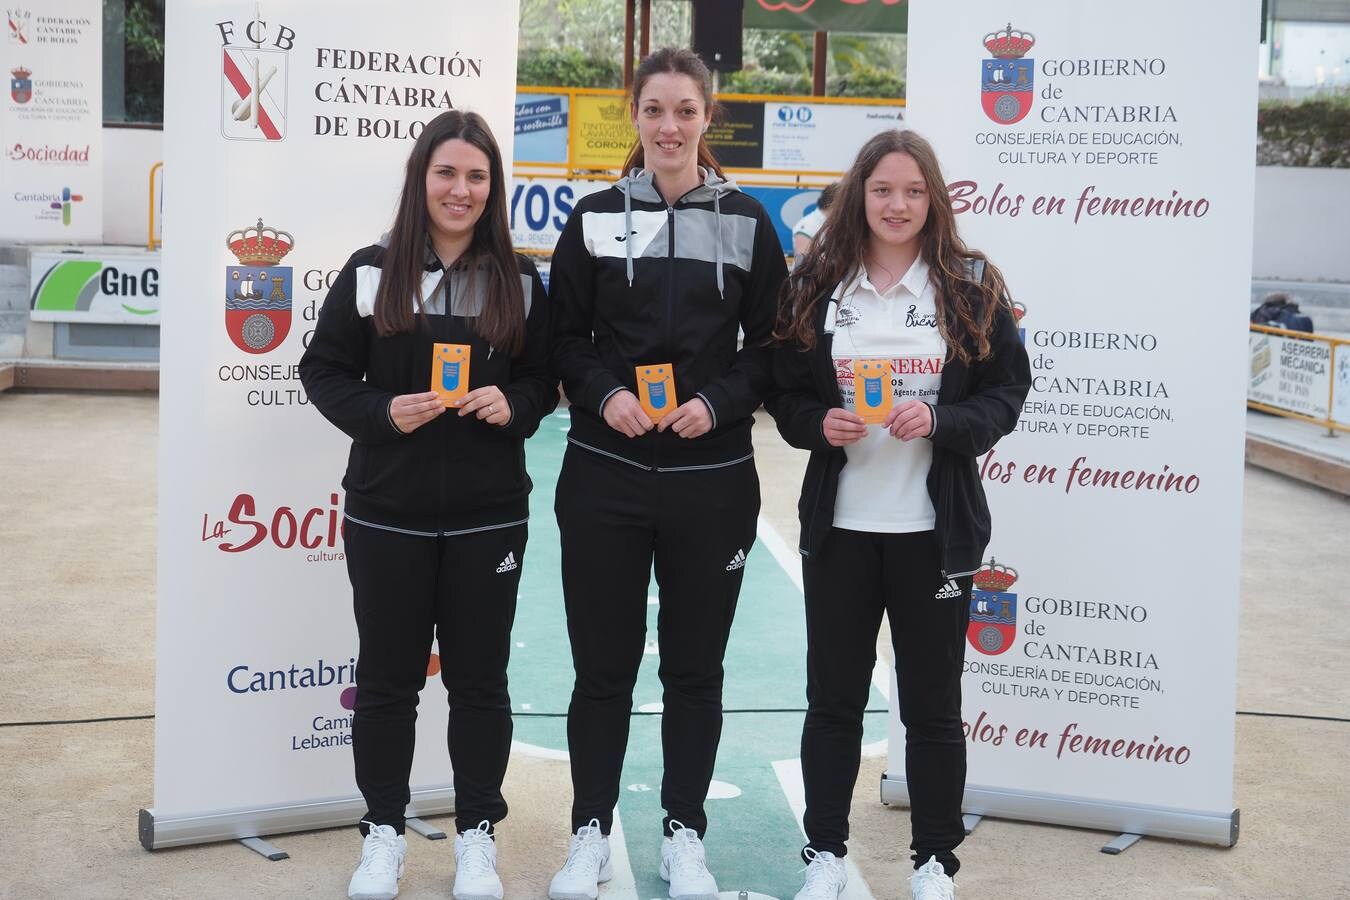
[[889, 318]]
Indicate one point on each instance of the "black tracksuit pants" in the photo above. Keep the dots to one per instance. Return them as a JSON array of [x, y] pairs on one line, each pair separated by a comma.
[[461, 590], [850, 582], [615, 520]]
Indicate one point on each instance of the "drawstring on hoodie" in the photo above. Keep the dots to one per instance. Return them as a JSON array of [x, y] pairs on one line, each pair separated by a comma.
[[717, 211], [641, 179], [628, 232]]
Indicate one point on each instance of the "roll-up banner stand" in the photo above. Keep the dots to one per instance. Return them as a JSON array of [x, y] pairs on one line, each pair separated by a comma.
[[51, 170], [1107, 168], [287, 127]]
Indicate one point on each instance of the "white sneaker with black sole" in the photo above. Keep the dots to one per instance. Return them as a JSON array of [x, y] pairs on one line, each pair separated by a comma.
[[931, 882], [684, 864], [476, 865], [825, 876], [587, 866], [382, 856]]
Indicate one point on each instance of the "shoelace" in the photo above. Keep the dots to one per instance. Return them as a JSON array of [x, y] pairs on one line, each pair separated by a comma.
[[589, 852], [686, 856], [820, 874], [476, 858], [379, 855]]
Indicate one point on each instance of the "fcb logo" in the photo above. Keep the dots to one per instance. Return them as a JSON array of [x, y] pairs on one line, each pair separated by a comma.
[[258, 291], [21, 85], [253, 94], [1007, 80], [993, 611]]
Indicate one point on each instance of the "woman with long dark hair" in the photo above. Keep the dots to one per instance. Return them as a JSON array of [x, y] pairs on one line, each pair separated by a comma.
[[651, 280], [899, 364], [431, 354]]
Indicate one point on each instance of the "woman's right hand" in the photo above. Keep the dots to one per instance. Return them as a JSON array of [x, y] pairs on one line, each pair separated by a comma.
[[625, 415], [842, 427], [410, 412]]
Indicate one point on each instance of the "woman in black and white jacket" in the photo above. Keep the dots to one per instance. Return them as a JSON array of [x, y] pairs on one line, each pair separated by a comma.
[[651, 280], [437, 495], [889, 314]]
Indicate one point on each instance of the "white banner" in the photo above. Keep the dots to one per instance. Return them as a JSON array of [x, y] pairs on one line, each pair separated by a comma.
[[51, 164], [1108, 172], [285, 143], [120, 287], [822, 137]]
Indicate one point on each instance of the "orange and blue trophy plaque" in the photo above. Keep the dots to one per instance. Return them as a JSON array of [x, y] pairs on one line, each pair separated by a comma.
[[450, 371], [656, 390], [872, 395]]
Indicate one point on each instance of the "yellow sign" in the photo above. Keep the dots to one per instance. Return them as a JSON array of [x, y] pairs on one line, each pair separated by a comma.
[[602, 133]]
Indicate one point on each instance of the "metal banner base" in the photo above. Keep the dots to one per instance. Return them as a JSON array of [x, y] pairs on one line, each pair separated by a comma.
[[264, 849], [158, 831], [426, 830], [1123, 818]]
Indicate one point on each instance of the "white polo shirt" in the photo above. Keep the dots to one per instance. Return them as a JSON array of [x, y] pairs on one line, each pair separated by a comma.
[[884, 486]]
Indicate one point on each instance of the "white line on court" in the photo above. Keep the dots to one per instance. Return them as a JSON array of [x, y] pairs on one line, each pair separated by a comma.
[[623, 886], [789, 772]]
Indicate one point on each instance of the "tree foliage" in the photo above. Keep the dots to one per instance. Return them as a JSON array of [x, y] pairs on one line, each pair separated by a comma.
[[579, 43]]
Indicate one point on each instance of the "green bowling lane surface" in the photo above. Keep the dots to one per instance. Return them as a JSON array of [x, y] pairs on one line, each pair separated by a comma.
[[753, 837]]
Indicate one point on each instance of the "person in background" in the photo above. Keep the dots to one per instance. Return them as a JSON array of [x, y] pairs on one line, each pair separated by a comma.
[[890, 314], [431, 354], [652, 279], [1279, 310], [804, 232]]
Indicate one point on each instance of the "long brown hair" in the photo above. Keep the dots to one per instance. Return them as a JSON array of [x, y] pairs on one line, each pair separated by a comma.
[[669, 60], [501, 320], [965, 308]]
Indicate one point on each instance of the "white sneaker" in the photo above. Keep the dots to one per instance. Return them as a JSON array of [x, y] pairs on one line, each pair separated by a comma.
[[931, 882], [684, 865], [586, 867], [382, 856], [825, 876], [476, 865]]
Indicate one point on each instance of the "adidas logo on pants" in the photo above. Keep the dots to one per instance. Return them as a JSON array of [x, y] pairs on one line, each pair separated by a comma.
[[737, 561], [508, 564]]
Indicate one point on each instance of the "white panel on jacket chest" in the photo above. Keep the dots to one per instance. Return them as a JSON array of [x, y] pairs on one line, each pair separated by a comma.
[[606, 234]]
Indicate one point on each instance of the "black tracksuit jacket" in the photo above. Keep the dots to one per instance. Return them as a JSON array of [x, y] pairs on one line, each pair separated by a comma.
[[976, 405], [636, 281], [454, 474]]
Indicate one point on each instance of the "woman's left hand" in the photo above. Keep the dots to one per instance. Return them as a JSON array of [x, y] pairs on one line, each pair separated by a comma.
[[488, 403], [690, 420], [911, 419]]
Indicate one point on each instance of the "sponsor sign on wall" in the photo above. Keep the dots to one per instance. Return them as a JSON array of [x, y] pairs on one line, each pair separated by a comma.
[[539, 208], [252, 730], [117, 288], [821, 137], [51, 155], [1340, 396], [828, 15], [785, 207], [1291, 373], [541, 127], [1108, 174], [602, 131]]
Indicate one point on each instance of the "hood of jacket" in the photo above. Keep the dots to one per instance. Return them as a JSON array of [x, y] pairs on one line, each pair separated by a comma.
[[640, 185]]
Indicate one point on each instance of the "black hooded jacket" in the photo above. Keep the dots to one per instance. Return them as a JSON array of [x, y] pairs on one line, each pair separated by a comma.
[[453, 474], [636, 281], [977, 404]]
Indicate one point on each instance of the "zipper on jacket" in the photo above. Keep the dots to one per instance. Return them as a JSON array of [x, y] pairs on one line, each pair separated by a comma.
[[670, 279]]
